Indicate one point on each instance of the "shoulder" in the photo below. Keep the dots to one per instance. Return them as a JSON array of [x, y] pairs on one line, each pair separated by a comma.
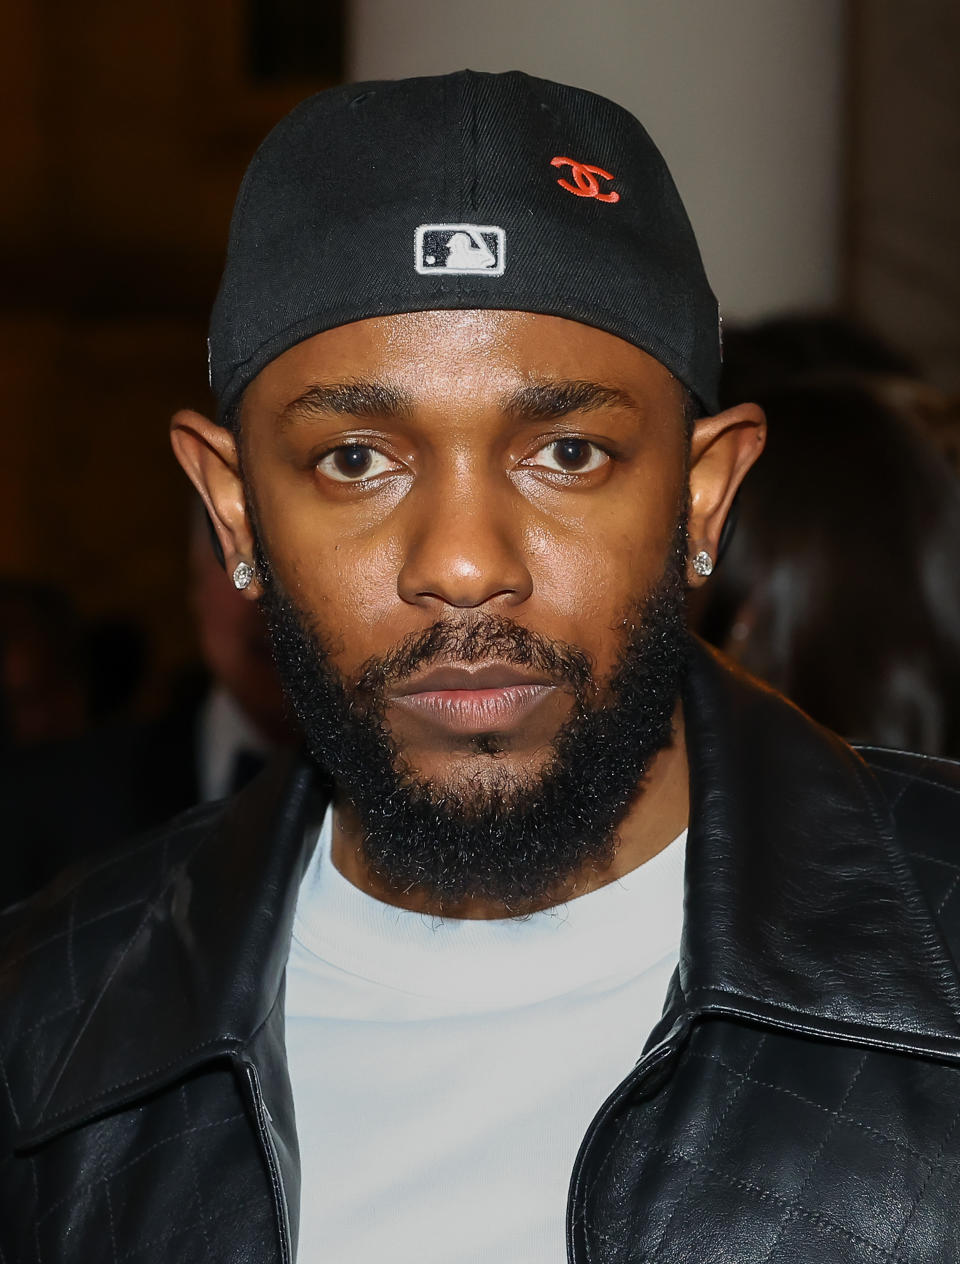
[[923, 795], [59, 948]]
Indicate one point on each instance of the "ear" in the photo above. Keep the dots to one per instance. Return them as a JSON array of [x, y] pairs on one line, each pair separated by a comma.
[[722, 449], [209, 456]]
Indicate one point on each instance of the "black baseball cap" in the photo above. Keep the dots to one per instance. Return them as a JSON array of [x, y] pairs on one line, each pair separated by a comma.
[[465, 190]]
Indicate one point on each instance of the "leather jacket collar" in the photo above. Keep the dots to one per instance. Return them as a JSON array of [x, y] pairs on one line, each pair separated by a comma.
[[800, 911]]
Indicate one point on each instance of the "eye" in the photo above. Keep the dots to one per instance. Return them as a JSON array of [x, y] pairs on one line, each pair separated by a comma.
[[354, 463], [571, 456]]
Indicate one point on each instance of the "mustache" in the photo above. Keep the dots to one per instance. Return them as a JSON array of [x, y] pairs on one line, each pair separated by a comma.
[[482, 638]]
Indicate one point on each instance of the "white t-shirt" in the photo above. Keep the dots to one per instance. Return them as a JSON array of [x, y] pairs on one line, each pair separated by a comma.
[[444, 1071]]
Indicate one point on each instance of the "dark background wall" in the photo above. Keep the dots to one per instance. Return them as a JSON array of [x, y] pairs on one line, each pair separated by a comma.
[[125, 129]]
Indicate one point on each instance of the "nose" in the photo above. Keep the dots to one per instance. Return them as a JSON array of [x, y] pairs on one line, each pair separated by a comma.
[[465, 549]]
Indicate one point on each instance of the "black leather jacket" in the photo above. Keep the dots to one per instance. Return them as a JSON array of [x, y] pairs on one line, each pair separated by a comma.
[[800, 1100]]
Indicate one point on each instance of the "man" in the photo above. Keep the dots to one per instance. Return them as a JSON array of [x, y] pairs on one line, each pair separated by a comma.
[[120, 779], [401, 999]]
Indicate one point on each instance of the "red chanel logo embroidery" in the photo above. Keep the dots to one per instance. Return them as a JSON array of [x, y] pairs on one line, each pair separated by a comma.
[[585, 180]]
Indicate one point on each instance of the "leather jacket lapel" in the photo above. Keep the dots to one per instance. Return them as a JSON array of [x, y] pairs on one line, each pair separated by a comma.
[[801, 910], [204, 968]]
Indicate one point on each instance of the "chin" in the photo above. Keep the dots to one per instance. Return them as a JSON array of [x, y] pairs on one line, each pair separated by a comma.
[[482, 758], [479, 775]]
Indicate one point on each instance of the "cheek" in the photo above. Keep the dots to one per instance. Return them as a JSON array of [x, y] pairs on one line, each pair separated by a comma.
[[591, 569], [349, 588], [584, 586], [339, 569]]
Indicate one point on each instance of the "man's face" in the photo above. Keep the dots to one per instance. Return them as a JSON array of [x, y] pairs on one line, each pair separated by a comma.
[[470, 534], [436, 466]]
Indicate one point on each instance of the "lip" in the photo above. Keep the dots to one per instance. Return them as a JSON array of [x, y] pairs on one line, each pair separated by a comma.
[[494, 697], [461, 678]]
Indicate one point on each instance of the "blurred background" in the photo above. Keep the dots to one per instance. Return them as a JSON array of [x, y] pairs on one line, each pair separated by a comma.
[[816, 144]]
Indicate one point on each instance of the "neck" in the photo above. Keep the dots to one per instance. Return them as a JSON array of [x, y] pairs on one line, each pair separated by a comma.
[[658, 813]]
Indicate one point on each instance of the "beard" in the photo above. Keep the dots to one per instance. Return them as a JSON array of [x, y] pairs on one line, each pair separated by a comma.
[[517, 839]]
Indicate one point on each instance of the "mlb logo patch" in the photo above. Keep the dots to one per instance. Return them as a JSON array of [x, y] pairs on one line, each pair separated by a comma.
[[460, 249]]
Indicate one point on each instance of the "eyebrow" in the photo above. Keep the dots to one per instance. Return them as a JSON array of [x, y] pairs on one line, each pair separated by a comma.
[[539, 401], [371, 399], [542, 401]]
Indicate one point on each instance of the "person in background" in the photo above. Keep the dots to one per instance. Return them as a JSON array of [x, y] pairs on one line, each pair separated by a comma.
[[781, 349], [840, 585], [935, 411], [66, 799]]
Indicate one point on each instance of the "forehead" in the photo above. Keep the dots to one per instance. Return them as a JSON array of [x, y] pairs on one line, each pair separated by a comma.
[[481, 354]]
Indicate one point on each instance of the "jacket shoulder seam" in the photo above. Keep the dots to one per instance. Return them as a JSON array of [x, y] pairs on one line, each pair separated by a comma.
[[162, 841], [48, 1122], [898, 860]]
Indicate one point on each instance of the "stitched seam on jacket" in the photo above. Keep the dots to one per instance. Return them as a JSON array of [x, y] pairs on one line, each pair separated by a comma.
[[934, 860], [6, 1085], [768, 1195], [792, 1212], [919, 781], [191, 1153], [140, 1247], [732, 1095], [948, 894], [841, 1116], [121, 958], [271, 1162], [139, 1079], [900, 871], [151, 906], [907, 783], [47, 1018], [11, 962], [864, 749], [86, 1187], [588, 1194], [806, 1027], [36, 1203], [121, 857], [923, 1188], [581, 1219], [113, 1227]]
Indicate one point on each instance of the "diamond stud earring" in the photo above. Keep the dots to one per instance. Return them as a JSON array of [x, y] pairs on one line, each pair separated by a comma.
[[243, 575], [703, 563]]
